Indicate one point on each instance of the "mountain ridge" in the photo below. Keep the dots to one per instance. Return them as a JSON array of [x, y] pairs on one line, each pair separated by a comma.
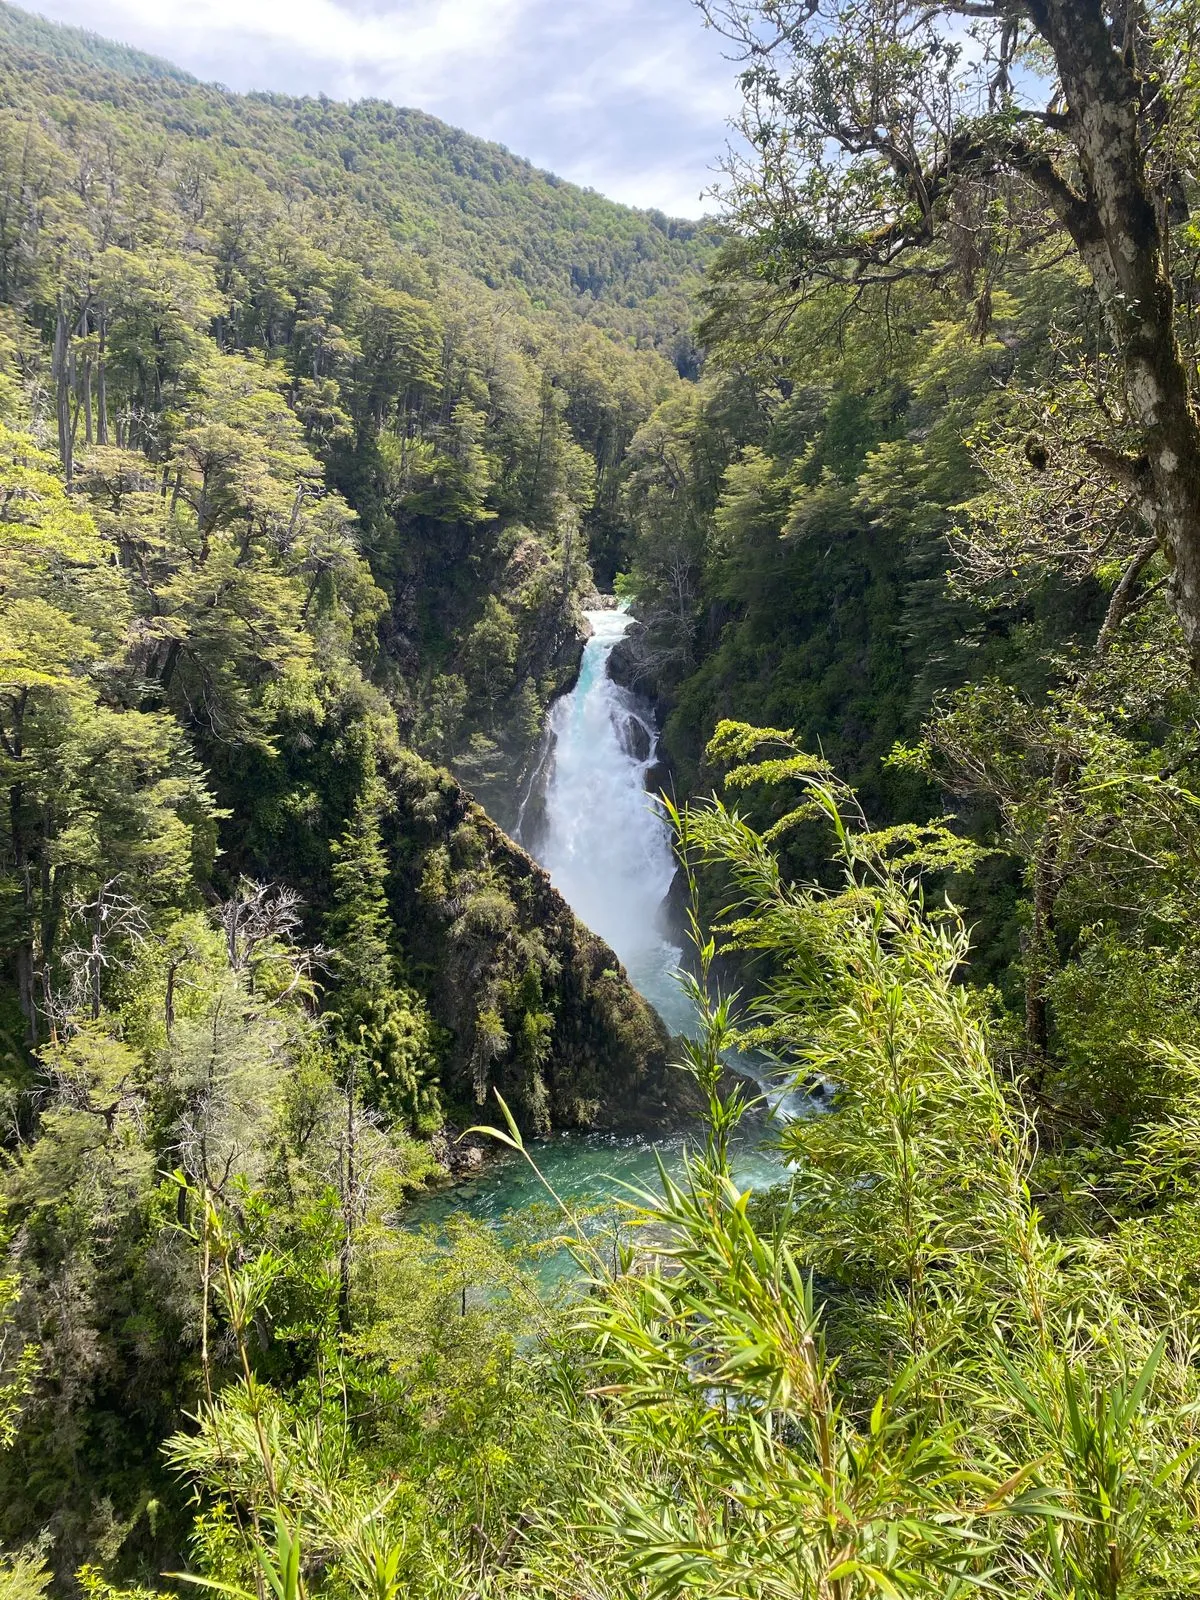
[[85, 45], [447, 194]]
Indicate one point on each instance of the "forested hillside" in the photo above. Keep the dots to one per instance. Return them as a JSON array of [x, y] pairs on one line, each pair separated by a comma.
[[456, 201], [318, 450], [306, 217], [317, 426], [292, 500]]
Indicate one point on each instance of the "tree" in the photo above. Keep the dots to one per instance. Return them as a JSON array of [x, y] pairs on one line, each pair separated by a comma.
[[102, 800], [897, 140], [490, 652], [18, 1363], [382, 1021]]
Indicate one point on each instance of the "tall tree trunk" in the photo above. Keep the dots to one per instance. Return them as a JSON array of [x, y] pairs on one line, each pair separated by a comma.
[[101, 386], [1041, 953], [1114, 222], [537, 464], [349, 1198], [170, 662], [62, 392], [26, 965]]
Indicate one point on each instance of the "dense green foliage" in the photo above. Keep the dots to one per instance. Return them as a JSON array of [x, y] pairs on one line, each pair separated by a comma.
[[903, 1373], [288, 501], [901, 551], [316, 425], [474, 421], [321, 496]]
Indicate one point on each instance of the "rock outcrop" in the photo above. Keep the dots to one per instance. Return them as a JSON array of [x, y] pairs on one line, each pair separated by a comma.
[[532, 1003]]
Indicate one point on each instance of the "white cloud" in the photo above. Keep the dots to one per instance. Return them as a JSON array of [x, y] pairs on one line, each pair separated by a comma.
[[627, 96]]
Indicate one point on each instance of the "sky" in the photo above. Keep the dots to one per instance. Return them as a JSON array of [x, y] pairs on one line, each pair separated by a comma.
[[630, 97]]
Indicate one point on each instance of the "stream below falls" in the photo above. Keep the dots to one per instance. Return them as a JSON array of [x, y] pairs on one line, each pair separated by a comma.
[[588, 819]]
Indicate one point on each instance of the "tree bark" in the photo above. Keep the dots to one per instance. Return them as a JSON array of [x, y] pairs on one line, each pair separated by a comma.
[[1114, 222], [62, 393], [346, 1261], [101, 385], [1041, 955], [26, 963]]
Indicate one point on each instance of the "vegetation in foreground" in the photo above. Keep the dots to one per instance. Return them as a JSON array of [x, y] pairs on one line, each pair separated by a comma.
[[937, 1360]]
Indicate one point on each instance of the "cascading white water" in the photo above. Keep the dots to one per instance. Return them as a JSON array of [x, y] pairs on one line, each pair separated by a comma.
[[605, 840]]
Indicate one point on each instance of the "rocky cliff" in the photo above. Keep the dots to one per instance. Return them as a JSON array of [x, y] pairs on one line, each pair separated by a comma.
[[533, 1004]]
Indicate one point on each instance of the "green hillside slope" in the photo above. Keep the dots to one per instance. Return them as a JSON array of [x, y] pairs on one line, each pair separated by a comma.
[[308, 502], [28, 34], [448, 196]]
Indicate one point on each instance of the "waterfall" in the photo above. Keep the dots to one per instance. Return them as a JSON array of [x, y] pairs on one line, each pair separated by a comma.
[[602, 838], [606, 842]]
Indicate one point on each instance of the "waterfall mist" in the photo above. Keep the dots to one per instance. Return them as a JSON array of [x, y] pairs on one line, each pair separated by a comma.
[[586, 816]]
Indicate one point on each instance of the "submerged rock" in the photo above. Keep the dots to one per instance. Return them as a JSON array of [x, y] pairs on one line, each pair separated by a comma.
[[635, 738]]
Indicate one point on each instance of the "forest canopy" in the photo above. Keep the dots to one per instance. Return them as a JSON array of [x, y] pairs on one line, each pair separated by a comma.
[[319, 427]]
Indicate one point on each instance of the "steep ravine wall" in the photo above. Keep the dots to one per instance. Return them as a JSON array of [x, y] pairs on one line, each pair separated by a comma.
[[534, 1004]]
